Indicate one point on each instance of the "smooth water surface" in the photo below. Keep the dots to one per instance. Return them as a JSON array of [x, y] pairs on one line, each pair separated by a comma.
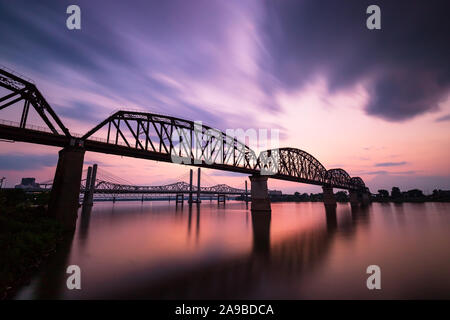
[[159, 250]]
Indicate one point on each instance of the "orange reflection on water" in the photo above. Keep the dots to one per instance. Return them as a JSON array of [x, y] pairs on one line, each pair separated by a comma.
[[301, 250]]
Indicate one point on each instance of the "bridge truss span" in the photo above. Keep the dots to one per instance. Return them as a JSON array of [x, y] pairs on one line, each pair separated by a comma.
[[174, 140], [108, 187], [163, 138], [19, 90], [292, 164]]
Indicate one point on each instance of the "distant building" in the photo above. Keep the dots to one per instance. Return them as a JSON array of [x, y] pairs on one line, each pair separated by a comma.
[[28, 183], [275, 193]]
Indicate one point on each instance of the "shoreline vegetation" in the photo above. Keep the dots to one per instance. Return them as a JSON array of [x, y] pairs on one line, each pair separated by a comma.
[[396, 196], [28, 235]]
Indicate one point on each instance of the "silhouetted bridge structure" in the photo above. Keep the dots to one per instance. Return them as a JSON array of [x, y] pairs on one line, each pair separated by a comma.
[[161, 138], [111, 185]]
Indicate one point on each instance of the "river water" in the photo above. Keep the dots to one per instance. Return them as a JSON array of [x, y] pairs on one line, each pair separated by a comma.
[[159, 250]]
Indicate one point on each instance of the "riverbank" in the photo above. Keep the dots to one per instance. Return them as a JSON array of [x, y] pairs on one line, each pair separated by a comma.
[[343, 197], [27, 236]]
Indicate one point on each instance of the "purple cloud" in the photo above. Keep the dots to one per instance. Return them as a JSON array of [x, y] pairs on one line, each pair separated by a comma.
[[390, 164]]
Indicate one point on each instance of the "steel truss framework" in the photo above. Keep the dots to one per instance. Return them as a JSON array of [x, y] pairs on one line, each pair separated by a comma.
[[107, 187], [23, 90], [186, 142], [165, 138]]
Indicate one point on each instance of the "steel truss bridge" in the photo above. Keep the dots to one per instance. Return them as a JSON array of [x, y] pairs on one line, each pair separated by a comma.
[[109, 187], [106, 187], [161, 138]]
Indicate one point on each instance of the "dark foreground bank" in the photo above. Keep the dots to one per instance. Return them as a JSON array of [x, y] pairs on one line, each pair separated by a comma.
[[27, 236]]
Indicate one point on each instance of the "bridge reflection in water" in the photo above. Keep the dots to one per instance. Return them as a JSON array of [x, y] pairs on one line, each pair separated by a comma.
[[266, 260]]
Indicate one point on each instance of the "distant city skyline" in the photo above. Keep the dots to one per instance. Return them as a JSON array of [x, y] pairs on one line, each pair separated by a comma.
[[373, 102]]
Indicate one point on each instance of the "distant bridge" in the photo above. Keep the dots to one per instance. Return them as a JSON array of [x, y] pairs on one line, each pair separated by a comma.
[[99, 181], [161, 138], [107, 187]]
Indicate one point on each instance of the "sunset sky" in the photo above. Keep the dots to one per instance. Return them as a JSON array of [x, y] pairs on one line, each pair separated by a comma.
[[373, 102]]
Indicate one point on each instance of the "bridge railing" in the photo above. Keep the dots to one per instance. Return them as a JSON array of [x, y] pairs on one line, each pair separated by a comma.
[[27, 126]]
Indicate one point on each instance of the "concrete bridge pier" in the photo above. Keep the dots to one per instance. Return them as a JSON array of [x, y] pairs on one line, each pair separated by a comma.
[[220, 198], [198, 186], [328, 197], [365, 199], [260, 194], [64, 197], [359, 198], [179, 198], [190, 187], [88, 199], [88, 186], [246, 192], [354, 199]]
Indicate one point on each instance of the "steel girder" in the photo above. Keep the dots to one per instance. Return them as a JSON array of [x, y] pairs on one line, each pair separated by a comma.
[[103, 186], [185, 141], [23, 90], [292, 163]]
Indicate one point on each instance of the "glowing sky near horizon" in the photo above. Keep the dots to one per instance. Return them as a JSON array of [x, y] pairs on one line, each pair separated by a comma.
[[374, 104]]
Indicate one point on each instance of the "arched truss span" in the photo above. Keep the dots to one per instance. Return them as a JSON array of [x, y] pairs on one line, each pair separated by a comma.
[[293, 163], [339, 178], [184, 141], [357, 181], [188, 142]]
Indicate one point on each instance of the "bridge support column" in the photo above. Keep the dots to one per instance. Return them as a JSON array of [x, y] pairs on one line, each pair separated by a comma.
[[90, 186], [260, 194], [190, 187], [354, 201], [246, 192], [365, 198], [220, 198], [328, 196], [65, 192], [87, 187], [179, 198], [198, 186]]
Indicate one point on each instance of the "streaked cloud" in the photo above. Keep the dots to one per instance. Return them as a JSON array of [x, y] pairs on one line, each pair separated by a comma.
[[308, 68], [390, 164], [26, 161], [443, 118]]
